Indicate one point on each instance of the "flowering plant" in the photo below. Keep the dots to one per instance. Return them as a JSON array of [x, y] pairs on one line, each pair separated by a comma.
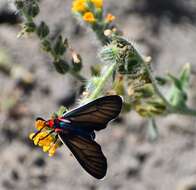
[[123, 68]]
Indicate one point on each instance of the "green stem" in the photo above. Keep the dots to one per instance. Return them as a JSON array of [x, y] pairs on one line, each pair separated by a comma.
[[170, 108], [154, 83], [152, 129], [102, 82], [184, 111], [78, 76], [155, 86]]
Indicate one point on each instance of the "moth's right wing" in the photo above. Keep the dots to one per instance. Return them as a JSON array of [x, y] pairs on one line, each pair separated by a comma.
[[88, 153]]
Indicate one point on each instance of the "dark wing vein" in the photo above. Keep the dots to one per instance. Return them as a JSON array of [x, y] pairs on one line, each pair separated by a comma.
[[88, 153], [97, 113]]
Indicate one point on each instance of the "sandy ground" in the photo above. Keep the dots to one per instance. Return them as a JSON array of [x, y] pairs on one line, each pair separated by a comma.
[[166, 30]]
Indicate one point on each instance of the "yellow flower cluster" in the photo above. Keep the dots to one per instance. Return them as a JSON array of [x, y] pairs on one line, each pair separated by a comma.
[[39, 124], [79, 6], [97, 3], [82, 7], [88, 17], [110, 17], [44, 139]]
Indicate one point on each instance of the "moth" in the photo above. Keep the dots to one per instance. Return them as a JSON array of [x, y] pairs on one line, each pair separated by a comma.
[[76, 129]]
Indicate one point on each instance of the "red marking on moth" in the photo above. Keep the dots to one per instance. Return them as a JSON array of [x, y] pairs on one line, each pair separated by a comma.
[[51, 123], [58, 130], [64, 120]]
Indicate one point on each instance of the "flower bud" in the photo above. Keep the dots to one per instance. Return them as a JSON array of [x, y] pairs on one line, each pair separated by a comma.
[[31, 9], [29, 27], [121, 69], [42, 30], [145, 91], [76, 61], [59, 47], [150, 108], [19, 4], [61, 66], [46, 45]]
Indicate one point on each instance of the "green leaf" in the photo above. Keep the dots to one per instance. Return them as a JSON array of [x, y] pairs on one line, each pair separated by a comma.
[[61, 66], [185, 76], [177, 95], [176, 82], [59, 46], [42, 30]]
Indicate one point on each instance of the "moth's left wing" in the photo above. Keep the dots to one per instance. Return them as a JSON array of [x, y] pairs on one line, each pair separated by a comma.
[[87, 152], [96, 114]]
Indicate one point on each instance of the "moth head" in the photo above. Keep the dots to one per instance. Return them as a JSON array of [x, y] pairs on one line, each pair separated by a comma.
[[50, 123]]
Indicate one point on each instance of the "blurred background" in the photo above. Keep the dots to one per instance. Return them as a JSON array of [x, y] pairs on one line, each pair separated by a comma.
[[30, 87]]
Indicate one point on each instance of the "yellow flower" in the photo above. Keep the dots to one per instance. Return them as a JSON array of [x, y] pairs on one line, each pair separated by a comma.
[[52, 149], [39, 124], [79, 6], [44, 140], [46, 148], [110, 17], [97, 3], [31, 136], [89, 17], [46, 137]]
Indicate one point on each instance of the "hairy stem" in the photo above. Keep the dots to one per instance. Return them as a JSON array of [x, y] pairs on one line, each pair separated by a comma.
[[170, 108], [106, 75]]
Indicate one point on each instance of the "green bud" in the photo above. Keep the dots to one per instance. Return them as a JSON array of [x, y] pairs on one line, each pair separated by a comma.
[[31, 9], [145, 91], [90, 6], [76, 62], [121, 69], [150, 108], [158, 105], [29, 27], [99, 13], [61, 66], [42, 30], [46, 45], [131, 64], [59, 47], [142, 110], [109, 53], [19, 4]]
